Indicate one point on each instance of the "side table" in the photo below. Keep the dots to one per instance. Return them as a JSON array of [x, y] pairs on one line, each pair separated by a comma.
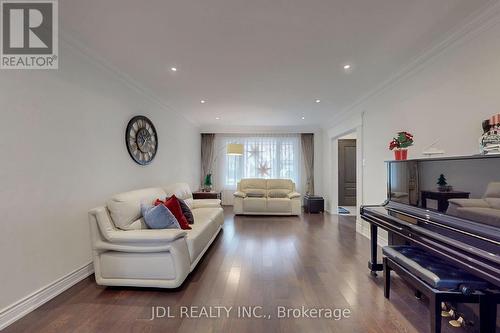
[[207, 195], [442, 198]]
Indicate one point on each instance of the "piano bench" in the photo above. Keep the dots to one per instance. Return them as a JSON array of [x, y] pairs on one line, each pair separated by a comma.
[[439, 282]]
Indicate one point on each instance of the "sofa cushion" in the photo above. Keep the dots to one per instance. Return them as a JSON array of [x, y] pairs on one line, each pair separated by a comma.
[[181, 191], [284, 184], [206, 203], [139, 224], [484, 215], [207, 221], [493, 190], [279, 205], [254, 205], [159, 217], [201, 214], [279, 193], [493, 202], [469, 203], [256, 193], [252, 183], [125, 208], [186, 211]]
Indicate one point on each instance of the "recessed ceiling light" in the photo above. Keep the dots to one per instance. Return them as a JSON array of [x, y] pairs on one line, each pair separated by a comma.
[[303, 118], [318, 101], [203, 101], [217, 118], [173, 69], [347, 67]]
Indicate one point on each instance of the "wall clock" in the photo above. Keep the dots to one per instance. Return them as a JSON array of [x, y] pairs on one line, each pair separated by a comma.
[[141, 140]]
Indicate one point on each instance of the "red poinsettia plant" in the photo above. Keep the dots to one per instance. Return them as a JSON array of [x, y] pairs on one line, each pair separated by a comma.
[[402, 140]]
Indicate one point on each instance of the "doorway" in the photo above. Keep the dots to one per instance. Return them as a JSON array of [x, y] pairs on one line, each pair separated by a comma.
[[347, 174]]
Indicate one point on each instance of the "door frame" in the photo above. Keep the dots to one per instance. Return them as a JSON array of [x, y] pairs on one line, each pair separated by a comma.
[[353, 124], [341, 173]]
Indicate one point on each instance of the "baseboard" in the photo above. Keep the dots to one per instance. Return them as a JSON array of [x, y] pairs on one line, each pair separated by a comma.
[[381, 241], [21, 308]]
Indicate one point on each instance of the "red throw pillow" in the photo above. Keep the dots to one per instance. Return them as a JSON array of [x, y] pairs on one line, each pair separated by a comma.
[[174, 207]]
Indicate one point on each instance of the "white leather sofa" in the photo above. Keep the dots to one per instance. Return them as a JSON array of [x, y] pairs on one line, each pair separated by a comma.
[[255, 196], [485, 210], [126, 253]]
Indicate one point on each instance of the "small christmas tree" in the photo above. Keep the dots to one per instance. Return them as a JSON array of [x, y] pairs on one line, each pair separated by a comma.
[[442, 181], [443, 184], [208, 182]]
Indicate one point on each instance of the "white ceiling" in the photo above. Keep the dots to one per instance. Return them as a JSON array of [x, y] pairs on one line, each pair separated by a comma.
[[261, 62]]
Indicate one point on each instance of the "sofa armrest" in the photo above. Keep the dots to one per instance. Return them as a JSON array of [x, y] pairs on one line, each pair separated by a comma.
[[469, 203], [294, 195], [144, 236], [239, 194], [206, 203]]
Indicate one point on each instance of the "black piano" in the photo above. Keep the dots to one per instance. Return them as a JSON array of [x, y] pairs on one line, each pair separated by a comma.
[[461, 219]]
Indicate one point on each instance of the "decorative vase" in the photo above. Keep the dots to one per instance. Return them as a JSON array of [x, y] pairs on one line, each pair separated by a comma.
[[400, 154]]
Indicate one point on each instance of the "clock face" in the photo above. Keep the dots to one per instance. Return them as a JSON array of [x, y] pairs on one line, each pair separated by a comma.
[[141, 140]]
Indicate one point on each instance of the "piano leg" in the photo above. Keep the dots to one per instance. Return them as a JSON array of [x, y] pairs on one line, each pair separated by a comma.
[[488, 313], [373, 264], [387, 279], [435, 310]]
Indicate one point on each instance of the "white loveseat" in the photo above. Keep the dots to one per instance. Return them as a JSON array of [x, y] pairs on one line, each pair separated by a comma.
[[485, 210], [255, 196], [126, 253]]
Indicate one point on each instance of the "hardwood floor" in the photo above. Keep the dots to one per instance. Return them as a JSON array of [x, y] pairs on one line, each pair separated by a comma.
[[316, 261]]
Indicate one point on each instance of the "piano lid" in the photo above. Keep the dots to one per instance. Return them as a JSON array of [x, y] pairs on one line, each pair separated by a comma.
[[464, 187]]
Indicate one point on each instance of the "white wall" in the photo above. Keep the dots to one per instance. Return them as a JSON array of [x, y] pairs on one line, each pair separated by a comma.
[[63, 153], [446, 99]]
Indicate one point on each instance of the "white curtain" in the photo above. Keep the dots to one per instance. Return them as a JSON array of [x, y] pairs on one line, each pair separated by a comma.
[[265, 156]]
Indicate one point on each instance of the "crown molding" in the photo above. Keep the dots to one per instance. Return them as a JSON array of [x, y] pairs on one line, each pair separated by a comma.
[[68, 39], [259, 129], [479, 21]]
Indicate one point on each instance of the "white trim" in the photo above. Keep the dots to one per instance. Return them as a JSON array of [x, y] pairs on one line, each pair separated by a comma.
[[24, 306], [223, 129], [330, 174], [364, 229], [481, 20]]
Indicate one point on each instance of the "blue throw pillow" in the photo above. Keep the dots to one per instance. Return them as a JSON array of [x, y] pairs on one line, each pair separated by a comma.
[[159, 217]]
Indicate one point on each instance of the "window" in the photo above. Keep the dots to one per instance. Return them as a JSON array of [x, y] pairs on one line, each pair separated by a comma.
[[265, 156]]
